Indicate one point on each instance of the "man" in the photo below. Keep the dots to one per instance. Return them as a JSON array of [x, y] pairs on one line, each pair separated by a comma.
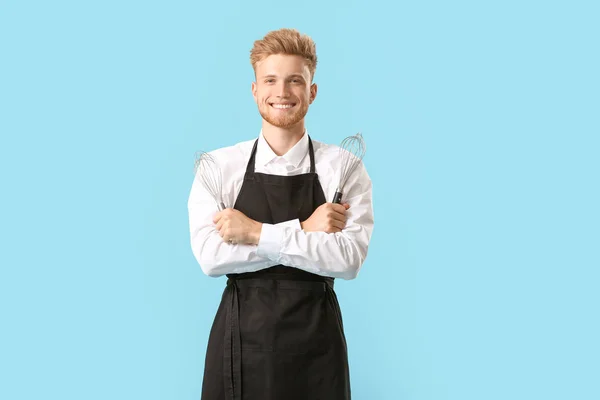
[[278, 332]]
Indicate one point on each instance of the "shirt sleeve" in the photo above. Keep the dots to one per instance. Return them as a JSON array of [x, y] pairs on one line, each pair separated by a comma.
[[216, 257], [338, 255]]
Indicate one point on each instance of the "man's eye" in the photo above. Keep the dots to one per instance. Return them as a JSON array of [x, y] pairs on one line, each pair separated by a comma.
[[270, 80]]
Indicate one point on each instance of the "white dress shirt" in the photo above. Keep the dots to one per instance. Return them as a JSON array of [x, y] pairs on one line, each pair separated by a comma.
[[338, 255]]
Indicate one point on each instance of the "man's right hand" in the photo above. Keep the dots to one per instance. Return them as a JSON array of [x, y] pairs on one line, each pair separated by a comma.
[[329, 217]]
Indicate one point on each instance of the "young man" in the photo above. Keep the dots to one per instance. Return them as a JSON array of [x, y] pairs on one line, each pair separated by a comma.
[[278, 332]]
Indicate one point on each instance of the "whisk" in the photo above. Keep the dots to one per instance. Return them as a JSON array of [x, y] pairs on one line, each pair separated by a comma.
[[209, 173], [352, 151]]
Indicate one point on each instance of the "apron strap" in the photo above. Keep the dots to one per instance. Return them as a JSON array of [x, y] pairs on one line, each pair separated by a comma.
[[250, 166], [312, 156], [232, 357], [252, 160]]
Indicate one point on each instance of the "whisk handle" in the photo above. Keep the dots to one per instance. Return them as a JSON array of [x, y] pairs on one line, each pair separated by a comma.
[[337, 197]]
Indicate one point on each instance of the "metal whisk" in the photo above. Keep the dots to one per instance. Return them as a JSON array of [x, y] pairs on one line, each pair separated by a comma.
[[352, 151], [209, 173]]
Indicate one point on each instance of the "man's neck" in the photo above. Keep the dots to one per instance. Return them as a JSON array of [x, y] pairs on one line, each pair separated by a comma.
[[281, 140]]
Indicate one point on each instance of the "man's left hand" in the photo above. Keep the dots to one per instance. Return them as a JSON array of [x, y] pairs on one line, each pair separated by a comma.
[[235, 228]]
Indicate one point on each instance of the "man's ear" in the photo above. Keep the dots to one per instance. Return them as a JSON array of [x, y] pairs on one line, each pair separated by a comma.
[[313, 92], [253, 88]]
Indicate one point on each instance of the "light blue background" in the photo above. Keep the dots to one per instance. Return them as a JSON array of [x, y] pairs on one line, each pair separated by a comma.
[[481, 121]]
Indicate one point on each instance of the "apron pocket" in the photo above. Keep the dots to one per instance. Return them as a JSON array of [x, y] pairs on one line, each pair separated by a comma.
[[282, 315], [300, 320], [257, 316]]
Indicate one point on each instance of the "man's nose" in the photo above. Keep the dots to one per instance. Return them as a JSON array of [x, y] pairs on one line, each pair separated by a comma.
[[283, 89]]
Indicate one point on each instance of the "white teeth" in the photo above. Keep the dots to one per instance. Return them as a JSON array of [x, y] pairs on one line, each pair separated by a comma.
[[282, 105]]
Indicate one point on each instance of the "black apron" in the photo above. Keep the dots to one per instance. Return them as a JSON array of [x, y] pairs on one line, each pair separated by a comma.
[[278, 332]]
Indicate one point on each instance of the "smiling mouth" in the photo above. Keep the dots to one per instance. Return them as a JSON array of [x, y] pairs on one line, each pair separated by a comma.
[[282, 106]]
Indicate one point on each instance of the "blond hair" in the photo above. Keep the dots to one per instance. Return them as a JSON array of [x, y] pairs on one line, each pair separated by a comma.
[[285, 41]]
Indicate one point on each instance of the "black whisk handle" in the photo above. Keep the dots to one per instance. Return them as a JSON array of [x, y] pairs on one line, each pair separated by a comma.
[[337, 197]]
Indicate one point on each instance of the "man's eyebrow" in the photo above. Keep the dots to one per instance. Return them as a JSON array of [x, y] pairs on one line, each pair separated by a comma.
[[290, 76]]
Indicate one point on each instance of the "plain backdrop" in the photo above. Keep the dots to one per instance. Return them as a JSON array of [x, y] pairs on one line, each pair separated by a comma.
[[481, 121]]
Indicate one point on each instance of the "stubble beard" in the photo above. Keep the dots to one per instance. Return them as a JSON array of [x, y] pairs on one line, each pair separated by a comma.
[[283, 121]]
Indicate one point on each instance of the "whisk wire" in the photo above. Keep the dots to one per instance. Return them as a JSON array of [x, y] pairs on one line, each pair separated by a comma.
[[208, 171], [352, 151]]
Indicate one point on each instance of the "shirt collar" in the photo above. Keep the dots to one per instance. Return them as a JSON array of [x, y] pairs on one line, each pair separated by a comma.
[[294, 156]]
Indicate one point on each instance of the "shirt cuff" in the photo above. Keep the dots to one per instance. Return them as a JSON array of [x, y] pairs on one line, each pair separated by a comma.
[[292, 223], [269, 243]]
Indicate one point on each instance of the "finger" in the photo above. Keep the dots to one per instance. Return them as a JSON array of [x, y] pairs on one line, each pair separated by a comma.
[[217, 217], [333, 229], [232, 237], [346, 205], [338, 224], [336, 216], [220, 224], [339, 208], [227, 236]]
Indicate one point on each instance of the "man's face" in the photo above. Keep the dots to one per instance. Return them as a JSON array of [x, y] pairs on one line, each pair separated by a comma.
[[283, 90]]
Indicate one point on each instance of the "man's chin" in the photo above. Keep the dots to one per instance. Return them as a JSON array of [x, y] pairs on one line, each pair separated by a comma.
[[283, 123]]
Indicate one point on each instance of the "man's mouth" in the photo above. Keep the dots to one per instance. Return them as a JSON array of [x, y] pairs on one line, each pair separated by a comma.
[[282, 106]]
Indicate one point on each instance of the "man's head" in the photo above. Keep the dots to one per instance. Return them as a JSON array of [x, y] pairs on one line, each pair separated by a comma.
[[284, 63]]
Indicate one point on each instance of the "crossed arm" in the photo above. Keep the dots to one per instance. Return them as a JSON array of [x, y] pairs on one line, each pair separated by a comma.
[[333, 241], [236, 228]]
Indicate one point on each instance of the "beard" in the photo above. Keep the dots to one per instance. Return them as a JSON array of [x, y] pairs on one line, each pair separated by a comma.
[[283, 120]]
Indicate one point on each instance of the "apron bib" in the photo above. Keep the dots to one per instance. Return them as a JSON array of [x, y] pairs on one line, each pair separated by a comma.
[[278, 332]]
